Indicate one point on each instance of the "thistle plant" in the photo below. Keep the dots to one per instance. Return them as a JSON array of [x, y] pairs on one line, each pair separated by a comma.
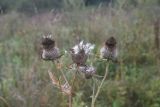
[[79, 55], [108, 53]]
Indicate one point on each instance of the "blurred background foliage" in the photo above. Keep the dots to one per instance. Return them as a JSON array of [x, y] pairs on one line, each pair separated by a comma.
[[34, 6], [24, 81]]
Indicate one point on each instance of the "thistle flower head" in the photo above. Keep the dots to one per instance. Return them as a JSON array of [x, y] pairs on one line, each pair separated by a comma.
[[49, 51], [87, 48], [48, 42], [89, 71], [80, 52], [111, 42], [109, 50]]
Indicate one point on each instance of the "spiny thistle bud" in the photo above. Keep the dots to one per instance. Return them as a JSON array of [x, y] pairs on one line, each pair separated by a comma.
[[109, 50], [49, 50], [80, 52], [89, 71]]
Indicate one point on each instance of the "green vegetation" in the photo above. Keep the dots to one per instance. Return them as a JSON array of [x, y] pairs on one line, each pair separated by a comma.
[[24, 80]]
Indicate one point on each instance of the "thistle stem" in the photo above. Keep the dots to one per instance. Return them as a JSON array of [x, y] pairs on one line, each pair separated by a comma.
[[5, 102], [99, 87], [70, 95], [70, 100], [93, 93], [59, 82]]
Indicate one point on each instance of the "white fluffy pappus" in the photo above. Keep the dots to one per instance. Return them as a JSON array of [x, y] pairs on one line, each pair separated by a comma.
[[107, 54], [87, 69], [88, 47]]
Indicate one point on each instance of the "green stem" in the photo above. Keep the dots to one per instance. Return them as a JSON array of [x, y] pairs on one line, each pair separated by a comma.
[[5, 102], [93, 93], [99, 88], [70, 100]]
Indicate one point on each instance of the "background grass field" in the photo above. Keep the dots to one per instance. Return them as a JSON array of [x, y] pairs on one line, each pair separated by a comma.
[[24, 81]]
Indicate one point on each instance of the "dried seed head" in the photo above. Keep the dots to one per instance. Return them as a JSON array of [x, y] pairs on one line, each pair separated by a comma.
[[111, 42], [109, 51], [51, 54], [66, 88], [79, 58], [49, 51], [80, 52], [48, 42], [89, 71]]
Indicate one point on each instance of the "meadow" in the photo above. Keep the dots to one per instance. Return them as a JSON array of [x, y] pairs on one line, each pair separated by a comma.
[[24, 80]]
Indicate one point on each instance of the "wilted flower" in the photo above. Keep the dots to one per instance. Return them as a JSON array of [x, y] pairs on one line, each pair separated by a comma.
[[89, 71], [53, 78], [66, 88], [49, 51], [80, 52], [109, 50]]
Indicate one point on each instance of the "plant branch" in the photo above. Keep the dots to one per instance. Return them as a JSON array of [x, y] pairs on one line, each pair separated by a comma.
[[5, 102], [92, 104], [100, 86]]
